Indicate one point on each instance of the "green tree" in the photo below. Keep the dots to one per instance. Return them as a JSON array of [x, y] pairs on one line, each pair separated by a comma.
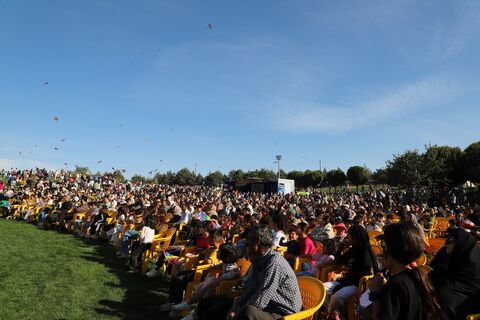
[[312, 178], [214, 179], [405, 169], [440, 166], [118, 175], [470, 163], [358, 175], [336, 177], [82, 170], [380, 176], [236, 175], [138, 179], [262, 173], [297, 176], [185, 177]]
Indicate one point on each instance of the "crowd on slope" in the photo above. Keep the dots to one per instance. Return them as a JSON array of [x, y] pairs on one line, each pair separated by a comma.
[[258, 238]]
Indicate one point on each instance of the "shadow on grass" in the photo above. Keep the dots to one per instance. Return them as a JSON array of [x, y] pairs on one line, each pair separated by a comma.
[[143, 296]]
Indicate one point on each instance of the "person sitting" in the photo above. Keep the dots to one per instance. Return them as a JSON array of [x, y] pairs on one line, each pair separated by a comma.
[[407, 294], [457, 282], [359, 261], [229, 270], [274, 292], [179, 283]]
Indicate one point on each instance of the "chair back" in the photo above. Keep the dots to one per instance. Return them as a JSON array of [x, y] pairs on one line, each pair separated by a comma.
[[313, 295]]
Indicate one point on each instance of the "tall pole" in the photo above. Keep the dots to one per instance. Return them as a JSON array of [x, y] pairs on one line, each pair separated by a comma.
[[278, 157], [195, 169], [320, 164]]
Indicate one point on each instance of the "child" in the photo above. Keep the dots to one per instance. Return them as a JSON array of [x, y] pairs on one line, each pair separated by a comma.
[[227, 254]]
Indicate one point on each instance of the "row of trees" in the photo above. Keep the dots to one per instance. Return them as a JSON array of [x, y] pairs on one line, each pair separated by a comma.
[[436, 166]]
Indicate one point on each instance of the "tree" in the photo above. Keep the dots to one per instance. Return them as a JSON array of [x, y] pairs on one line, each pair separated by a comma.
[[138, 179], [336, 177], [167, 178], [199, 180], [380, 176], [440, 166], [471, 163], [185, 177], [118, 175], [82, 170], [262, 173], [235, 175], [214, 179], [297, 176], [405, 169], [312, 178], [358, 175]]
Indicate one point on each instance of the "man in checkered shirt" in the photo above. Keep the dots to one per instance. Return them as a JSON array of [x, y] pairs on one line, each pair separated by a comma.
[[275, 292]]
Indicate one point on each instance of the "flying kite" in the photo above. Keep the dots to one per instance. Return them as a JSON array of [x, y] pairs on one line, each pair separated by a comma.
[[55, 118], [65, 163], [45, 83], [63, 140], [55, 148], [123, 170], [210, 26], [35, 145], [99, 161], [113, 168]]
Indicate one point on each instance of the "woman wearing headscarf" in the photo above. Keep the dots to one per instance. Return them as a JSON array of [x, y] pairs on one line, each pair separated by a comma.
[[458, 281], [360, 261]]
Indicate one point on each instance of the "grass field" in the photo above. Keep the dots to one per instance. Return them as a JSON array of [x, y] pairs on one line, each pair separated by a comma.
[[45, 274]]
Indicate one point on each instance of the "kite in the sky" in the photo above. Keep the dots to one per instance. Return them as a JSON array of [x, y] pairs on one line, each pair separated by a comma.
[[55, 118], [20, 152], [55, 148], [63, 140], [35, 145], [210, 26], [149, 172], [148, 141], [113, 168], [118, 146], [45, 83], [99, 161], [123, 170], [65, 163]]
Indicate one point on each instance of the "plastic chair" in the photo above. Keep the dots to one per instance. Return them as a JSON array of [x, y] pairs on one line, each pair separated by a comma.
[[424, 269], [373, 233], [313, 295], [352, 302], [422, 260], [297, 266], [377, 250], [434, 245], [473, 317], [281, 250]]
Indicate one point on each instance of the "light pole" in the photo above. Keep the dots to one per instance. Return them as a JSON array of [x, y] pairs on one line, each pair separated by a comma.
[[278, 157], [196, 169]]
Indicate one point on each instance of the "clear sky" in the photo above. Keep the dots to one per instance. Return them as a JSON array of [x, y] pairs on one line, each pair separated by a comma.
[[144, 85]]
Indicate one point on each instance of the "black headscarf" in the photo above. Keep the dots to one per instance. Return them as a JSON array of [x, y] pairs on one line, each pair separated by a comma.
[[458, 285]]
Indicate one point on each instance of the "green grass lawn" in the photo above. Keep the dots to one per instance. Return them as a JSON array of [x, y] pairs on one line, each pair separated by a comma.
[[45, 274]]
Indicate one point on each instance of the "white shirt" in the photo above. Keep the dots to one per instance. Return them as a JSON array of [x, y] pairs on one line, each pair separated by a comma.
[[147, 235]]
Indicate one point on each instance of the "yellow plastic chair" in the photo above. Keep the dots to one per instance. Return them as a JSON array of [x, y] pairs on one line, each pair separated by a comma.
[[297, 265], [473, 317], [281, 250], [424, 269], [352, 302], [313, 295], [422, 260], [377, 250], [434, 245]]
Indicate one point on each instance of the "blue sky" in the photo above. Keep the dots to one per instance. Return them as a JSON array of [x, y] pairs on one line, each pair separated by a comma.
[[145, 85]]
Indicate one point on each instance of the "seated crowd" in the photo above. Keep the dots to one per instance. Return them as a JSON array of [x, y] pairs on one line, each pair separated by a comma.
[[232, 255]]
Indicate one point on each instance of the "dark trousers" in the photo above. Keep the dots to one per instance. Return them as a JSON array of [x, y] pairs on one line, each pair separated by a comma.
[[250, 312], [136, 255], [214, 308], [161, 258], [179, 284]]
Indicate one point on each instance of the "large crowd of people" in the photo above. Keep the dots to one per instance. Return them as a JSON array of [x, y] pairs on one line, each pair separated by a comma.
[[266, 241]]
